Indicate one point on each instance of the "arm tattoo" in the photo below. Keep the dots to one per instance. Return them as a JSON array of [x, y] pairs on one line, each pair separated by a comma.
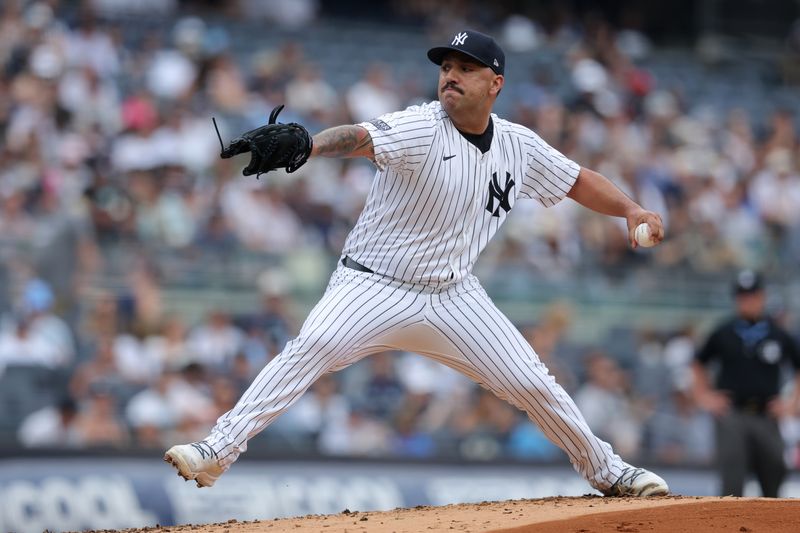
[[344, 141]]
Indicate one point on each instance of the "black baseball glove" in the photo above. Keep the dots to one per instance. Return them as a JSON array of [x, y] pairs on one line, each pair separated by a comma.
[[271, 146]]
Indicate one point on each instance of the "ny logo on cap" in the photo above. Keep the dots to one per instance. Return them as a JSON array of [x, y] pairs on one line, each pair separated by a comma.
[[459, 39]]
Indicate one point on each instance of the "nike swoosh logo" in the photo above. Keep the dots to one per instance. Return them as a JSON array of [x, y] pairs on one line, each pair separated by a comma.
[[445, 158]]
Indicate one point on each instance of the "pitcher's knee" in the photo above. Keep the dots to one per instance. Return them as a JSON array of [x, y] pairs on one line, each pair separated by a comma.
[[533, 386]]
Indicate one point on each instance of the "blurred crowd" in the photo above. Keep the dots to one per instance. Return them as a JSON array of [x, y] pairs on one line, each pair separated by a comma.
[[109, 174]]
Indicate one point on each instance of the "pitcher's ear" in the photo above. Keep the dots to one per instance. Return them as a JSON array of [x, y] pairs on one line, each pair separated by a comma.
[[497, 84]]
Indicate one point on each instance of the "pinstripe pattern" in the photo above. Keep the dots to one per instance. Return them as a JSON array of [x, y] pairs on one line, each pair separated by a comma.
[[425, 223], [356, 310], [364, 313], [511, 369]]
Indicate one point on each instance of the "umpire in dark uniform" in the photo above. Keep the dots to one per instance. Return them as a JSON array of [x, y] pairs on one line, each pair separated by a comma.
[[746, 353]]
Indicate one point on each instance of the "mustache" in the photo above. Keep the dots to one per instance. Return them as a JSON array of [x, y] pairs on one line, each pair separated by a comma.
[[451, 85]]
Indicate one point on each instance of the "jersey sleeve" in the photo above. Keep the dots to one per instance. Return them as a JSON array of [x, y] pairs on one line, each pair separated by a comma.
[[708, 350], [400, 139], [549, 175], [791, 349]]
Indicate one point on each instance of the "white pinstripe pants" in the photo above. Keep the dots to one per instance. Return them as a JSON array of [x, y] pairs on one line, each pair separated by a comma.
[[459, 326]]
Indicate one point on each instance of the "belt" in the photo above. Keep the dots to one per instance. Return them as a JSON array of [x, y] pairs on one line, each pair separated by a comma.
[[752, 406], [355, 265]]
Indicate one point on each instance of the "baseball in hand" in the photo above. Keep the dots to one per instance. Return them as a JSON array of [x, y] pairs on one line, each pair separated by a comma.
[[642, 235]]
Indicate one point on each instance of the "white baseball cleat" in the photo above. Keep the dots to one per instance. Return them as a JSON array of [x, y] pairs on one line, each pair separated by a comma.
[[637, 482], [197, 461]]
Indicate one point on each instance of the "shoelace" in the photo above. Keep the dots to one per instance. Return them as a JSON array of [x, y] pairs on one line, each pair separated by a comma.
[[204, 449], [626, 479], [631, 473]]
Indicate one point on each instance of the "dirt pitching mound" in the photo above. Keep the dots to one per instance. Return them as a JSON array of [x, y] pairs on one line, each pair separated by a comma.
[[587, 514]]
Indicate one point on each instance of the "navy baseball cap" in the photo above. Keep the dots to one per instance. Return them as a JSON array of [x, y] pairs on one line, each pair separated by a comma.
[[475, 44], [748, 281]]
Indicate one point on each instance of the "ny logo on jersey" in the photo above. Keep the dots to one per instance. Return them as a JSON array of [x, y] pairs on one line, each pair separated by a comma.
[[459, 39], [501, 195]]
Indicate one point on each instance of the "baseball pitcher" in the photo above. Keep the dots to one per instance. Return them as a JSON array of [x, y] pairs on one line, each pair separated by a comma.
[[449, 172]]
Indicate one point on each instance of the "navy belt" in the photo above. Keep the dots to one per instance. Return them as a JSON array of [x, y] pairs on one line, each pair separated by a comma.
[[355, 265]]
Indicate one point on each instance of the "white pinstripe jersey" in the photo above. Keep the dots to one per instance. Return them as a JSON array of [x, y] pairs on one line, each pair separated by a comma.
[[436, 200]]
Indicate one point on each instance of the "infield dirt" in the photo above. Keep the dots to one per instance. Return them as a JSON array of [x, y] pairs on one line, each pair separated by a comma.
[[587, 514]]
